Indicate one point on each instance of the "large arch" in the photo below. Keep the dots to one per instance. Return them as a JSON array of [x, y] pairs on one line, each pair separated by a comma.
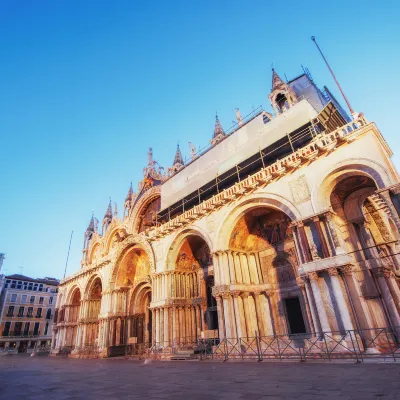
[[258, 254], [320, 194], [132, 241], [139, 314], [149, 198], [73, 308], [237, 211], [93, 296], [180, 238]]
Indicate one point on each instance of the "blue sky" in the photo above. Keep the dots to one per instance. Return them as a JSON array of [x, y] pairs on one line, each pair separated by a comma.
[[88, 86]]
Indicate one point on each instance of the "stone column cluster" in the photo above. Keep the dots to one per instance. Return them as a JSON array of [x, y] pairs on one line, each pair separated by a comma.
[[244, 314], [234, 267]]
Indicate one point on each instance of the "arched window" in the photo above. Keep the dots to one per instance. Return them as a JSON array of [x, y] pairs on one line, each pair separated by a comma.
[[281, 102]]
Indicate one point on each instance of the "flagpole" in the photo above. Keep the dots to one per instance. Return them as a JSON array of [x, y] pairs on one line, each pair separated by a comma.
[[334, 77]]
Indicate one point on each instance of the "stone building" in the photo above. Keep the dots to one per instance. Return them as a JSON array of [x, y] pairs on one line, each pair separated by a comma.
[[26, 312], [288, 223]]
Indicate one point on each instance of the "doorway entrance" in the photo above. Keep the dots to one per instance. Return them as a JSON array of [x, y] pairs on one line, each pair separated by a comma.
[[294, 316]]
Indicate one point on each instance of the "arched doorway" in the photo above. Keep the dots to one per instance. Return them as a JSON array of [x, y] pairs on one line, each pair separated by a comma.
[[134, 296], [263, 251], [140, 316], [194, 270], [94, 294], [368, 235], [73, 316]]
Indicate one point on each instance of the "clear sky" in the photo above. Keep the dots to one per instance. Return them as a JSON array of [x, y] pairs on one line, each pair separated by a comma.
[[87, 86]]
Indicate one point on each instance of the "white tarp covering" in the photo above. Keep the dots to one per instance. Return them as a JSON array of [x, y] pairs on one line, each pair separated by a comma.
[[242, 144]]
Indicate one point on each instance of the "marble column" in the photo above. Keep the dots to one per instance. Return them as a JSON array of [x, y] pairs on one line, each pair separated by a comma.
[[340, 299], [333, 233], [259, 313], [302, 283], [194, 325], [304, 242], [157, 332], [239, 317], [323, 318], [166, 327], [238, 269], [247, 316], [321, 237], [175, 323], [394, 288], [381, 275], [220, 312], [229, 260]]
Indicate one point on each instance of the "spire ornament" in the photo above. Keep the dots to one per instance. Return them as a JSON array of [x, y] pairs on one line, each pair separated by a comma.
[[219, 133]]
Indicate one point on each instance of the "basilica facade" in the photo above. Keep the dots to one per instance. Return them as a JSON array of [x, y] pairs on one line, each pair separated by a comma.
[[286, 224]]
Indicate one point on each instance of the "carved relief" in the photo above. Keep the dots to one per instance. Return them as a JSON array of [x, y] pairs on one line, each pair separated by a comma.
[[373, 216], [260, 229], [300, 189]]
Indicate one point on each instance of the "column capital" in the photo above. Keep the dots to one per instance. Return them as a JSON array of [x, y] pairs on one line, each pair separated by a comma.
[[333, 271], [313, 276], [244, 295], [383, 272], [315, 218], [347, 269], [225, 295], [236, 293]]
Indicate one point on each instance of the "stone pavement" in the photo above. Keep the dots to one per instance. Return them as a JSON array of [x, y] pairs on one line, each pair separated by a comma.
[[37, 378]]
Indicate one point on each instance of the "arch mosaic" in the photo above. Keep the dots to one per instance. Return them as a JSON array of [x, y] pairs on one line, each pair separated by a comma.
[[90, 287], [149, 196], [125, 246], [262, 200], [72, 293], [173, 254]]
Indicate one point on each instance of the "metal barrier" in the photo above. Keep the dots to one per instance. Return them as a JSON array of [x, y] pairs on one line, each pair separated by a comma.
[[359, 345]]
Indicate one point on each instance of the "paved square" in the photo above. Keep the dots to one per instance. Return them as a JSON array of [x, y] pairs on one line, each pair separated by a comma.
[[24, 377]]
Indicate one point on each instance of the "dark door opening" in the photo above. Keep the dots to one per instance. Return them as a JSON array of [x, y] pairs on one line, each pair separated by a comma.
[[295, 316]]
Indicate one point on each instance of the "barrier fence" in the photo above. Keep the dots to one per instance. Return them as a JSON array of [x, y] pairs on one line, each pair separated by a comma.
[[357, 345]]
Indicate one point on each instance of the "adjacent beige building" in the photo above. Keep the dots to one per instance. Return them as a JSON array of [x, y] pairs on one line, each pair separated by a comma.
[[287, 224], [26, 312]]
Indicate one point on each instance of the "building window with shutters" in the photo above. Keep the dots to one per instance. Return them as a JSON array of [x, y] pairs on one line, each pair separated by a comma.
[[7, 327], [30, 312], [26, 328], [10, 312], [36, 328], [21, 311], [39, 313]]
